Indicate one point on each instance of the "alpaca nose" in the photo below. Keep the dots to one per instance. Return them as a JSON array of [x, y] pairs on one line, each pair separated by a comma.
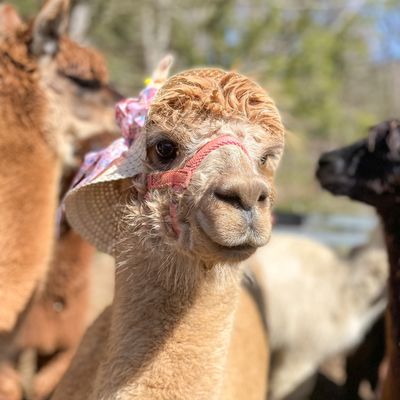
[[242, 193], [331, 162], [324, 161]]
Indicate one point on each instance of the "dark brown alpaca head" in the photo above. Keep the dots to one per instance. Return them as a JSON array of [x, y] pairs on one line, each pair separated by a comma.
[[368, 170]]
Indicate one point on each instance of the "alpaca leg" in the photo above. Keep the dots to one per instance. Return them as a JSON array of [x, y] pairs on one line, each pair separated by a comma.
[[48, 377], [10, 383]]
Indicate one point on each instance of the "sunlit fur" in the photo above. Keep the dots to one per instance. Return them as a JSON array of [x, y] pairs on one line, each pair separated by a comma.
[[90, 109], [57, 314], [181, 326]]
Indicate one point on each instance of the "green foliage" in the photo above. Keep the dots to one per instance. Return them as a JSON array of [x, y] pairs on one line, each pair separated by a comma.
[[26, 7], [312, 55], [299, 51]]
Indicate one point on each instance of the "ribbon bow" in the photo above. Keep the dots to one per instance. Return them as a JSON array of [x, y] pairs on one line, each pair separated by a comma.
[[130, 115]]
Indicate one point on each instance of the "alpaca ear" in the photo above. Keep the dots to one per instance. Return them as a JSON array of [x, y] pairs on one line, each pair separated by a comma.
[[48, 26], [160, 74], [393, 139], [79, 22], [10, 21]]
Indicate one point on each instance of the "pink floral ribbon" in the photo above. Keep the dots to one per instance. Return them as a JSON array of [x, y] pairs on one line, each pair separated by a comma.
[[131, 113], [131, 116]]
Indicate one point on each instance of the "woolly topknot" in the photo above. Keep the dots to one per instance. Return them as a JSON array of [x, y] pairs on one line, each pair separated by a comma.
[[193, 96]]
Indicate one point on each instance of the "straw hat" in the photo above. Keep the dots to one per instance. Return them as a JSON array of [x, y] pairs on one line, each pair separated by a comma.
[[92, 205], [93, 209]]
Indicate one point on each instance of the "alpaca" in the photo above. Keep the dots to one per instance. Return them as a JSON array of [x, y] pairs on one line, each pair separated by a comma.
[[45, 80], [52, 92], [56, 316], [367, 171], [183, 199], [319, 323]]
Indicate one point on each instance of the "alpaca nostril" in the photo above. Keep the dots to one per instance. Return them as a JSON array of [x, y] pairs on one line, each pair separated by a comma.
[[330, 163], [229, 198], [323, 162]]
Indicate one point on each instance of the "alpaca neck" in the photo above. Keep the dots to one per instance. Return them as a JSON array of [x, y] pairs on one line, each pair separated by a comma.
[[29, 178], [391, 224], [169, 337]]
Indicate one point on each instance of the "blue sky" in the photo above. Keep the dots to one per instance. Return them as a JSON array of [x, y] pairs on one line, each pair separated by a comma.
[[386, 45]]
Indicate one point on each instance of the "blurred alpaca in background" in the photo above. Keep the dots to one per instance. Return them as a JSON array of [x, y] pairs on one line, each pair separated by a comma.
[[369, 171], [317, 306], [53, 94], [57, 315]]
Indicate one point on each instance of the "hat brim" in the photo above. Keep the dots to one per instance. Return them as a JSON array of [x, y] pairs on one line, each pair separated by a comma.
[[95, 208]]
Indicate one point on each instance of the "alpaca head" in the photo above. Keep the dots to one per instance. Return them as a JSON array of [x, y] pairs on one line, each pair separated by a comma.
[[368, 170], [192, 176], [74, 78], [213, 140]]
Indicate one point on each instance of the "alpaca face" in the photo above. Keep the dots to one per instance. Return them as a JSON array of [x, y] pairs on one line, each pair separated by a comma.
[[222, 213], [368, 170], [77, 83], [225, 212], [74, 78]]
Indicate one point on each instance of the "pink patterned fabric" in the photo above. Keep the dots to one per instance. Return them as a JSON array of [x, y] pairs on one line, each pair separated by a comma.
[[97, 162], [131, 115]]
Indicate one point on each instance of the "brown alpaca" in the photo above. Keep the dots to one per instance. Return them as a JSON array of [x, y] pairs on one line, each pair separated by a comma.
[[368, 171], [56, 317], [51, 92], [181, 326], [53, 322], [48, 100]]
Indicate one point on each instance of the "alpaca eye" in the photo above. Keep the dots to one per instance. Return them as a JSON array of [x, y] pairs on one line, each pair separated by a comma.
[[264, 159], [166, 151], [91, 84]]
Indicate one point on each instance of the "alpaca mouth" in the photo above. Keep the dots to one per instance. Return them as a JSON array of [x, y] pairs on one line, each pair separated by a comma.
[[238, 247], [240, 250], [336, 185]]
